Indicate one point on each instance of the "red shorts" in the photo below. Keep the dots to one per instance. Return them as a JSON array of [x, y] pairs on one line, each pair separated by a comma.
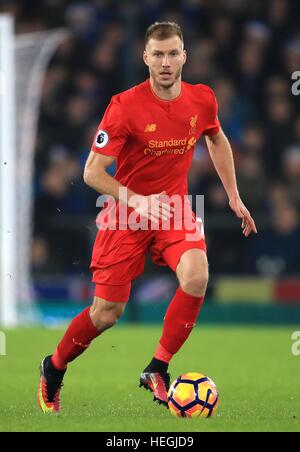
[[119, 255]]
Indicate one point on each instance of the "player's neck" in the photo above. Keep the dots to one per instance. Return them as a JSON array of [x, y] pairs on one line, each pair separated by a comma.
[[166, 93]]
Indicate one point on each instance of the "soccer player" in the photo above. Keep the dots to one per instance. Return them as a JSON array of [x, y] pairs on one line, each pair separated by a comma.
[[151, 130]]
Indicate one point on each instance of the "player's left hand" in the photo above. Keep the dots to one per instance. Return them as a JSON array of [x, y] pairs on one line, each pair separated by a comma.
[[248, 224]]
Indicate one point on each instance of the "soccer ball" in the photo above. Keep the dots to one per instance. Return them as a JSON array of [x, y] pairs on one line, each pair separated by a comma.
[[193, 395]]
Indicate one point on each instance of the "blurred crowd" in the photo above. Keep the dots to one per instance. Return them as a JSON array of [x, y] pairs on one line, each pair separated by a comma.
[[246, 51]]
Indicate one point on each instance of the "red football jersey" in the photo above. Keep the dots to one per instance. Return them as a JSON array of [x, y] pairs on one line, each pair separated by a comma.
[[153, 139]]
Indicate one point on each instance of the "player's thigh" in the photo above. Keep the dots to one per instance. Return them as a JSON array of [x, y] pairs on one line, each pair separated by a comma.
[[118, 258], [192, 265]]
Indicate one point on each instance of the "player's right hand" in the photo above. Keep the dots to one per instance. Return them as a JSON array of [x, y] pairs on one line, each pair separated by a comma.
[[152, 207]]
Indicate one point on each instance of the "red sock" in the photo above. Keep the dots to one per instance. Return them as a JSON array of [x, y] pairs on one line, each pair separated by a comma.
[[76, 340], [162, 354], [179, 321]]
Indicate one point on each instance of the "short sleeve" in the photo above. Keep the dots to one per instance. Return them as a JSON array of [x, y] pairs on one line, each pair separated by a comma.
[[112, 132], [213, 124]]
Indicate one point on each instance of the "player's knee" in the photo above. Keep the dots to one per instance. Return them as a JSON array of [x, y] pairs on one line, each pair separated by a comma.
[[195, 284]]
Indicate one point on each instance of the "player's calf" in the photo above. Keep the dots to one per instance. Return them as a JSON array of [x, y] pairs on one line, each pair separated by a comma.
[[105, 314]]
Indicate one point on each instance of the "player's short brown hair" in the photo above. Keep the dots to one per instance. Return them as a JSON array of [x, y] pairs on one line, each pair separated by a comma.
[[163, 30]]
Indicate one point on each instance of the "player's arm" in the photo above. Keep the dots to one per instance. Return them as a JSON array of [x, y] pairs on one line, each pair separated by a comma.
[[221, 154], [96, 177]]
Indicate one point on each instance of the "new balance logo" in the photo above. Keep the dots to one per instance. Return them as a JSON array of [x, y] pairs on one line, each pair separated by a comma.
[[150, 128]]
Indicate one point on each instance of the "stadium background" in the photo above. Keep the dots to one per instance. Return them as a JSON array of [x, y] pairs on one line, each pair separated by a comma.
[[247, 51]]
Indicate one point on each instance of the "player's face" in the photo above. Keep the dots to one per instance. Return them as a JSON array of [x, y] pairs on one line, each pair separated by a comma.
[[165, 60]]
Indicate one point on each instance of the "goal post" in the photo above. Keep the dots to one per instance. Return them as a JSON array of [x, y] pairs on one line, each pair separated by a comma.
[[8, 208], [24, 60]]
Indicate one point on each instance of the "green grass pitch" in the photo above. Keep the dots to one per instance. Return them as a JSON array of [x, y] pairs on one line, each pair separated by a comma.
[[256, 373]]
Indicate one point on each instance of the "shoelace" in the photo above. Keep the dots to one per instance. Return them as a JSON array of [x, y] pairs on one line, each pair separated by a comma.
[[56, 400]]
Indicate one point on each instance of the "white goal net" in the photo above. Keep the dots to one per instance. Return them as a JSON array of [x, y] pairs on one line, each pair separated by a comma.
[[23, 62]]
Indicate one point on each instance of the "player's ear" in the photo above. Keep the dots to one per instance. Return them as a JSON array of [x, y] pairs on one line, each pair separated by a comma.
[[145, 58], [184, 56]]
